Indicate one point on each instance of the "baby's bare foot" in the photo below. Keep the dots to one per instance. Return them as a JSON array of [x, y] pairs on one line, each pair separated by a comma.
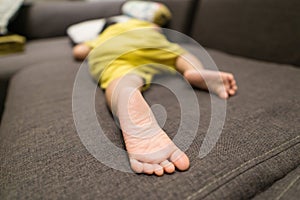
[[221, 83], [149, 148]]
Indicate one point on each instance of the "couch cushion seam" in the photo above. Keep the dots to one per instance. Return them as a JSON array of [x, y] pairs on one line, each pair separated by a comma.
[[287, 188], [267, 155]]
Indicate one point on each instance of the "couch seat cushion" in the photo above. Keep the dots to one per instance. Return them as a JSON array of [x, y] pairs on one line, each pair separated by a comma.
[[42, 154]]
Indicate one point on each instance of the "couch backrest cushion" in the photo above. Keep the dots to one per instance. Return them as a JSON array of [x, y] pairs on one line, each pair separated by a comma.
[[267, 30], [50, 19]]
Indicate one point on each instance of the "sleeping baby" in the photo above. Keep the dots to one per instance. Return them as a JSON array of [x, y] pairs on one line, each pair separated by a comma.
[[123, 59]]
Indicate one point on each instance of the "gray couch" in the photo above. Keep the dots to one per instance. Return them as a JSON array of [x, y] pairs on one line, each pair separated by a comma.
[[256, 156]]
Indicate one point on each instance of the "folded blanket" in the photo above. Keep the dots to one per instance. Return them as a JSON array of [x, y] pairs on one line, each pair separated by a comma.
[[11, 44]]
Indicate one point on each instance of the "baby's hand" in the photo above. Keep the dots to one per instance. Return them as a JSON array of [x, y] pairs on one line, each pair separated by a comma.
[[81, 51]]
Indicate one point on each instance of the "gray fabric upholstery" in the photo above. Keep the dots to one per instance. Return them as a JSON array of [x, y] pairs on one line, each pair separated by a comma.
[[3, 90], [267, 30], [286, 188], [42, 155], [257, 155], [36, 52]]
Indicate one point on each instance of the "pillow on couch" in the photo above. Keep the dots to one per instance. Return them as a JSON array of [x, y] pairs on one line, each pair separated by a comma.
[[89, 30]]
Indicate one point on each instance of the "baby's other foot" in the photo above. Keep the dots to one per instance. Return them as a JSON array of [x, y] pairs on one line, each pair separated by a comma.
[[221, 83]]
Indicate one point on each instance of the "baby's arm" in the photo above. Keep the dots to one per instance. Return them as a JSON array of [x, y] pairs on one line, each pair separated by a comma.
[[81, 51]]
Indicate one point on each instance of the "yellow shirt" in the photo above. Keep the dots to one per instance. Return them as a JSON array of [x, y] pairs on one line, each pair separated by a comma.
[[134, 46]]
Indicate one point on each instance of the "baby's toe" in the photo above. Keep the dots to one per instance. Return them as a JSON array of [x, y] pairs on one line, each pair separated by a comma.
[[158, 170], [222, 93], [231, 91], [180, 160], [148, 168], [168, 166], [233, 82], [230, 76]]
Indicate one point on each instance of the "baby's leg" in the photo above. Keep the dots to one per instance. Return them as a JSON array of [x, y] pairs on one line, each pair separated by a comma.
[[149, 148], [221, 83]]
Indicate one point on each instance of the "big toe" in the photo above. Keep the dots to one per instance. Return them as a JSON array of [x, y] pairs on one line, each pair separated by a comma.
[[222, 93], [180, 160]]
